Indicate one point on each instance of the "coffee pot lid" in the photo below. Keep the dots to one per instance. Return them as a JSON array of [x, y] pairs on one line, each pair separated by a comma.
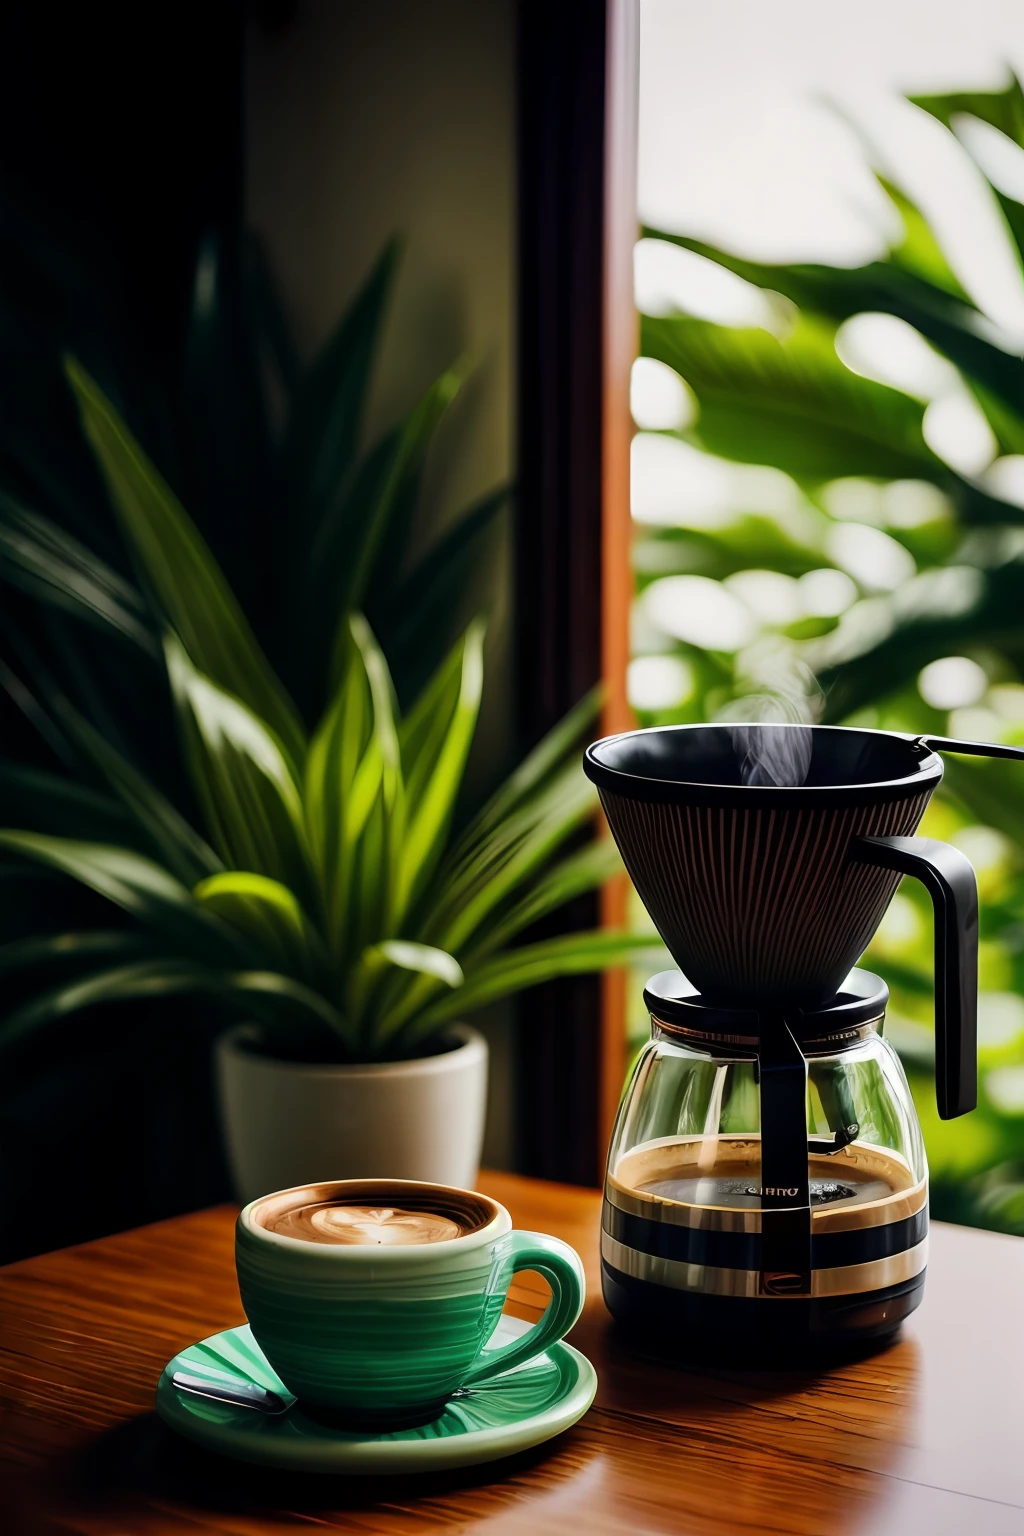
[[672, 999]]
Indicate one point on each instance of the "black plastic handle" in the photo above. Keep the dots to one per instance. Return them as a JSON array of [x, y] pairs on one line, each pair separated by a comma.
[[969, 748], [949, 880]]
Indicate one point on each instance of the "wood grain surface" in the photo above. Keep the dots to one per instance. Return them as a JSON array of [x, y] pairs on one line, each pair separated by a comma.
[[924, 1437]]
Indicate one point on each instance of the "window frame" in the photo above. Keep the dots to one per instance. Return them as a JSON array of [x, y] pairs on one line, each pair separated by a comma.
[[577, 83]]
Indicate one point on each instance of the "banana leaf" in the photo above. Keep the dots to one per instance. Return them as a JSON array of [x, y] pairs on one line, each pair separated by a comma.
[[790, 402], [840, 292]]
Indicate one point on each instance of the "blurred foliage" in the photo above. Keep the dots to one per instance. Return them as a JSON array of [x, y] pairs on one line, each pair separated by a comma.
[[859, 473]]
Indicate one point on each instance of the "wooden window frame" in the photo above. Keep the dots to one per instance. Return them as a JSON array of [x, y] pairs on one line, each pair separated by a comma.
[[577, 332]]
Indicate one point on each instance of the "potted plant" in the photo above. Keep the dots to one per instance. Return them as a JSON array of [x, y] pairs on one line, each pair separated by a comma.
[[321, 884]]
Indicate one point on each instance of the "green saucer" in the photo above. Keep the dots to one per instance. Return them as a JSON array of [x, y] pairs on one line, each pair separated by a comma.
[[510, 1413]]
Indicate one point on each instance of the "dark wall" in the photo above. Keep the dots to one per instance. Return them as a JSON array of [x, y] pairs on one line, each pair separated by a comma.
[[120, 145], [120, 137]]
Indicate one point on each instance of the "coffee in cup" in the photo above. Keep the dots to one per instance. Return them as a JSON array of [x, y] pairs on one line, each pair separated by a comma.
[[375, 1298], [316, 1215]]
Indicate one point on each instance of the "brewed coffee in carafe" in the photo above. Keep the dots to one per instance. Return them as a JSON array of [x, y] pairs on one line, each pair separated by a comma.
[[725, 1172], [767, 1176]]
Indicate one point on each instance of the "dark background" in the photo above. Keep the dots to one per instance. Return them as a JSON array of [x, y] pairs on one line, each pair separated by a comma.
[[120, 146]]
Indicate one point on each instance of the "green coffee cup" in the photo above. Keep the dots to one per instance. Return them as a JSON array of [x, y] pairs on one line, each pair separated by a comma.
[[376, 1298]]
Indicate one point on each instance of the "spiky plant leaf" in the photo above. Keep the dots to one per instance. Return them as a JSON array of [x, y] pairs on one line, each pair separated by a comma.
[[271, 917], [330, 404], [568, 955], [416, 619], [586, 870], [435, 744], [377, 508], [242, 778], [185, 853], [140, 887], [45, 561], [167, 978], [560, 745], [50, 949], [178, 567], [34, 798]]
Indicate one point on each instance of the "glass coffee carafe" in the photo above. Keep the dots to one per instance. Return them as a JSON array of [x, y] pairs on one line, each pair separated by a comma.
[[686, 1236], [690, 1124]]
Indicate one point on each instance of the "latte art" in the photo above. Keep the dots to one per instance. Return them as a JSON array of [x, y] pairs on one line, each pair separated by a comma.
[[374, 1213], [383, 1225]]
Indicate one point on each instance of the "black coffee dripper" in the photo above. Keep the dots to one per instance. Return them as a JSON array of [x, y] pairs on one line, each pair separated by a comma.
[[766, 894]]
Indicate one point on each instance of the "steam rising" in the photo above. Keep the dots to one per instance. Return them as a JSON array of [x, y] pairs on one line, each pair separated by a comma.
[[773, 743]]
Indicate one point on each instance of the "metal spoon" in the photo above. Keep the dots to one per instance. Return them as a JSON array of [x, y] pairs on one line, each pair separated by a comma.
[[238, 1394]]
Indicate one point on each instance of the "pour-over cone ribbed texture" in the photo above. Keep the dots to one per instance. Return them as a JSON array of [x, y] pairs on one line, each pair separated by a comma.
[[761, 904]]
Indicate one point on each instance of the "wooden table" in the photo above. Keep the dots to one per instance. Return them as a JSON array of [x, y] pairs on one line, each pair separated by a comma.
[[927, 1436]]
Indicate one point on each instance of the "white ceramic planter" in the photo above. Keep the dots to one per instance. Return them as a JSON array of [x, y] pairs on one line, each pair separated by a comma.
[[288, 1123]]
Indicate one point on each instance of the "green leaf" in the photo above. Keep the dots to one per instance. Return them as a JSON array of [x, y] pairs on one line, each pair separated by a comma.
[[356, 536], [464, 903], [179, 845], [50, 949], [919, 252], [355, 799], [145, 978], [417, 616], [25, 701], [584, 871], [46, 562], [839, 292], [286, 997], [269, 314], [164, 978], [991, 791], [344, 768], [49, 803], [749, 541], [135, 884], [428, 964], [883, 642], [330, 404], [392, 1005], [790, 403], [185, 579], [422, 958], [383, 833], [1007, 424], [1002, 109], [382, 695], [269, 915], [548, 756], [569, 955], [250, 801], [435, 744]]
